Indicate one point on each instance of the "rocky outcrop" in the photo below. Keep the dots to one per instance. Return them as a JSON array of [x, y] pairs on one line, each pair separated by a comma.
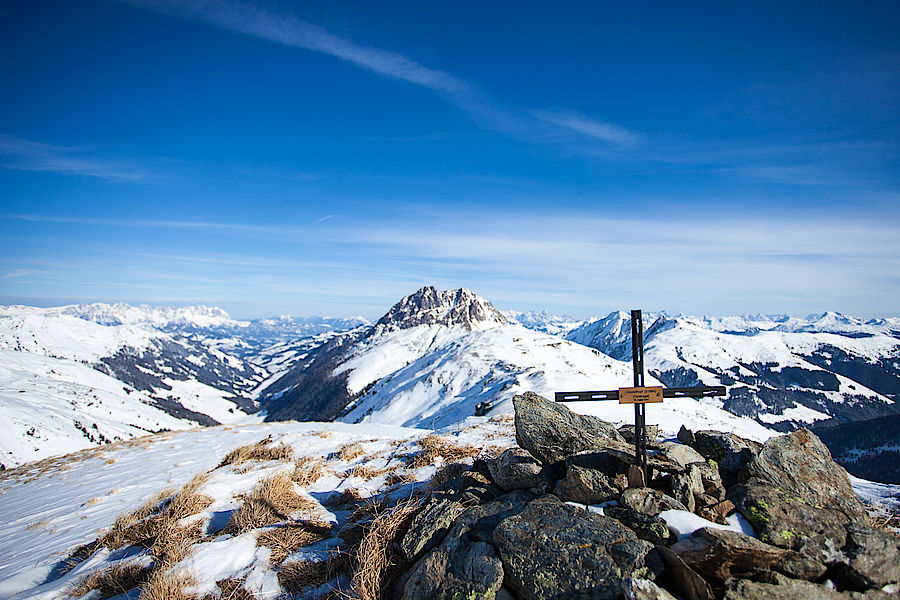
[[550, 432], [471, 540], [553, 551]]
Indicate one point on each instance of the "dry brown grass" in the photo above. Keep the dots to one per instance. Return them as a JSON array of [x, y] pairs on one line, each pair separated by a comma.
[[155, 525], [504, 418], [286, 539], [398, 478], [45, 524], [351, 450], [271, 501], [295, 576], [167, 586], [375, 556], [261, 450], [434, 446], [367, 473], [322, 433], [308, 470], [111, 581], [231, 589]]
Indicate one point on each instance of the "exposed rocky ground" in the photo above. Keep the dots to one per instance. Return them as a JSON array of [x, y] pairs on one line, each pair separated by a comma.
[[527, 523]]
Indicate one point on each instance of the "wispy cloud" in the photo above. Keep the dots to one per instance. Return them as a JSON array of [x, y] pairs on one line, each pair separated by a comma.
[[28, 155], [593, 128], [284, 28]]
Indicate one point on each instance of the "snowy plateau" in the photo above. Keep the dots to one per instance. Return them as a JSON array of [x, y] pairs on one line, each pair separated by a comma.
[[106, 406]]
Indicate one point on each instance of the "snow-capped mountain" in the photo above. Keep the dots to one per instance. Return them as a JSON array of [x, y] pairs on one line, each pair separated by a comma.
[[782, 371], [83, 375], [435, 367], [543, 321]]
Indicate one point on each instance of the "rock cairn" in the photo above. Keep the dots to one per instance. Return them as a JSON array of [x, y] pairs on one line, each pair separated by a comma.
[[517, 526]]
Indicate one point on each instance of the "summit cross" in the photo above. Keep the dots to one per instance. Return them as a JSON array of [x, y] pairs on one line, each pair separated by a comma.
[[640, 395]]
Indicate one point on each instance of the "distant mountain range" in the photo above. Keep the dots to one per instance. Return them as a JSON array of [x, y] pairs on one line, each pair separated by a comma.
[[82, 375]]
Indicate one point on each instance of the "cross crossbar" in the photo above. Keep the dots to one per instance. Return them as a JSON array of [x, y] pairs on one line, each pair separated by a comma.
[[640, 395], [691, 392]]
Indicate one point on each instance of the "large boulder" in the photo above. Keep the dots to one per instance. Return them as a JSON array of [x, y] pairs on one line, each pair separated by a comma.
[[550, 432], [785, 589], [797, 497], [553, 550], [465, 570], [800, 464]]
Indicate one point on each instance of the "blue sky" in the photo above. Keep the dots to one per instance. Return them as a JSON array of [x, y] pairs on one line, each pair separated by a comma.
[[331, 157]]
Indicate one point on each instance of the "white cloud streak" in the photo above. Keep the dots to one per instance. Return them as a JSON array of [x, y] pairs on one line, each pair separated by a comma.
[[593, 128], [27, 155]]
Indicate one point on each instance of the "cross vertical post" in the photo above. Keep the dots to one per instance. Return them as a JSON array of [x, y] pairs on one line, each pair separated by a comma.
[[640, 413]]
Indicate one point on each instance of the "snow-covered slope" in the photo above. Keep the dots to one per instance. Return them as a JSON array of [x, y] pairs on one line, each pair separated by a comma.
[[782, 371], [414, 369]]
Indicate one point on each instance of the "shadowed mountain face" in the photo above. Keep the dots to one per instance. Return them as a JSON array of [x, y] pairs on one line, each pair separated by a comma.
[[869, 449], [317, 388]]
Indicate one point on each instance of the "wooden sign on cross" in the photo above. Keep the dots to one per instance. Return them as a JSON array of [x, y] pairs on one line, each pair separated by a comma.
[[640, 395]]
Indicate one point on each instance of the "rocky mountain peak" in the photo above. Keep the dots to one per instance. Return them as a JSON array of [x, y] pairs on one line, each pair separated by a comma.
[[428, 306]]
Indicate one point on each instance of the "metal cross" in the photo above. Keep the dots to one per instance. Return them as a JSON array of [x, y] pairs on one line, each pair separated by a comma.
[[639, 395]]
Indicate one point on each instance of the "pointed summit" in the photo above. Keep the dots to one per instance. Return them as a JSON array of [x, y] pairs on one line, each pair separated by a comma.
[[428, 306]]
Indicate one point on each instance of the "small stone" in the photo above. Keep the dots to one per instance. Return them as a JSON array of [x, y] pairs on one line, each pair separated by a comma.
[[585, 486], [644, 589], [681, 454], [516, 469], [635, 477], [428, 528], [646, 527], [686, 436], [649, 501]]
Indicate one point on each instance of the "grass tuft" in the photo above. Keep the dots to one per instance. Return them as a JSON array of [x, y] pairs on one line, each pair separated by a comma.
[[167, 586], [351, 450], [376, 556], [308, 470], [286, 539], [297, 575], [434, 446], [261, 450], [112, 581], [271, 501]]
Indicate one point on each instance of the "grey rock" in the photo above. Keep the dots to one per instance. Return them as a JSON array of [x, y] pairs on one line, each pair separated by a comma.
[[785, 589], [719, 555], [873, 557], [649, 501], [687, 485], [644, 589], [686, 436], [680, 453], [468, 569], [550, 431], [682, 579], [627, 433], [546, 553], [428, 527], [730, 452], [585, 486], [800, 464], [798, 566], [516, 469], [646, 527], [786, 521]]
